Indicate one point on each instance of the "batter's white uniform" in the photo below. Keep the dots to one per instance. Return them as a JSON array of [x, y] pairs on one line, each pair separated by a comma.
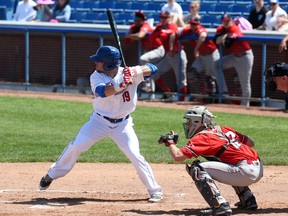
[[110, 118]]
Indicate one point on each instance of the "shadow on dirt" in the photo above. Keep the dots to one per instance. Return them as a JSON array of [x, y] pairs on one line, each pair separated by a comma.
[[66, 201], [273, 211]]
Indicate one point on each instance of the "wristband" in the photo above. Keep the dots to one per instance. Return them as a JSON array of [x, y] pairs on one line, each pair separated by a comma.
[[136, 70], [153, 68]]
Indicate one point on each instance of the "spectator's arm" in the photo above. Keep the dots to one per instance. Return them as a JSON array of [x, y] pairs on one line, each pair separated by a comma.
[[283, 44]]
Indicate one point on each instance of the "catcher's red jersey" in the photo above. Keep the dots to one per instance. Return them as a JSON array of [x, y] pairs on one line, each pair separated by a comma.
[[210, 141]]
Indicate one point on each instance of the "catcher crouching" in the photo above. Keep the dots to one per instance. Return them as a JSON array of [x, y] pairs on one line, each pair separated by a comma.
[[231, 160]]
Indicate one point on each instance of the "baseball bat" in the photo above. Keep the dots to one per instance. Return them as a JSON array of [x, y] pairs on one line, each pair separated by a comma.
[[113, 27]]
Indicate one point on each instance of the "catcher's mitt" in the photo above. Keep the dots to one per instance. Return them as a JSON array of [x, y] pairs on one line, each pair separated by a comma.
[[169, 138]]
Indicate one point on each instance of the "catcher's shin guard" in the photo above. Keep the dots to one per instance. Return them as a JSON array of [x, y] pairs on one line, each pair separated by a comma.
[[205, 184]]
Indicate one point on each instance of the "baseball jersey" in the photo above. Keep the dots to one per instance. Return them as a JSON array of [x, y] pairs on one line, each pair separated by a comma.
[[207, 47], [233, 32], [144, 28], [121, 103], [210, 141], [161, 35]]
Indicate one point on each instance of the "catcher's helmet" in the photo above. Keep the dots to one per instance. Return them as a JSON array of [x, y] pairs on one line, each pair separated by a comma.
[[197, 116], [109, 55]]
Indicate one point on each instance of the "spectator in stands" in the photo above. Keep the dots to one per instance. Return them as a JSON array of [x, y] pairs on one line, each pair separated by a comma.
[[25, 11], [193, 15], [61, 11], [257, 14], [166, 32], [277, 84], [205, 54], [276, 17], [44, 10], [140, 30], [175, 11], [283, 44], [241, 56]]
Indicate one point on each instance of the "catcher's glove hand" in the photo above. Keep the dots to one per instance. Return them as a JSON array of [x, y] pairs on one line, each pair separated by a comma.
[[169, 138]]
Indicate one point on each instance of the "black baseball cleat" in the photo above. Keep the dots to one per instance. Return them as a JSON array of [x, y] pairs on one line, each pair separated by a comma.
[[45, 182], [250, 204], [223, 210]]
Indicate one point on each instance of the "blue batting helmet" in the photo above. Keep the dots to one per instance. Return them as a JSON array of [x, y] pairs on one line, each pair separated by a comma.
[[109, 55]]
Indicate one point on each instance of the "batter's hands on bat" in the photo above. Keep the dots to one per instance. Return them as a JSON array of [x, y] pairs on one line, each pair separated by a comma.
[[128, 75], [169, 138]]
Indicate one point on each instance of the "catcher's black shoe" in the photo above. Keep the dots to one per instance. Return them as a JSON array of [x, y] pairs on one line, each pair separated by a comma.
[[45, 182], [223, 210], [250, 204]]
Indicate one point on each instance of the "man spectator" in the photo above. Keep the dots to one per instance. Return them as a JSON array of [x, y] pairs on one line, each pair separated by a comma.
[[175, 10], [241, 56], [25, 11], [276, 17], [206, 54], [166, 31], [257, 14]]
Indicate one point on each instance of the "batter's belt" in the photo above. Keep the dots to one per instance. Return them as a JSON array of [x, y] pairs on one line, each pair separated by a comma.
[[114, 120]]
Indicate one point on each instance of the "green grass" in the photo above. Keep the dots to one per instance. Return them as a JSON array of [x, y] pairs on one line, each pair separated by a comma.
[[37, 130]]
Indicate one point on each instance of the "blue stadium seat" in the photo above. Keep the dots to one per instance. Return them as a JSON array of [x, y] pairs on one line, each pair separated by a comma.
[[77, 16], [210, 19], [139, 6], [154, 6], [3, 13], [207, 7], [90, 4], [122, 5], [7, 3], [240, 8], [76, 4], [125, 16], [223, 7], [105, 4]]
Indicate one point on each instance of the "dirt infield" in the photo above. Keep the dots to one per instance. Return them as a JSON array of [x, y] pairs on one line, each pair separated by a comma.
[[114, 189]]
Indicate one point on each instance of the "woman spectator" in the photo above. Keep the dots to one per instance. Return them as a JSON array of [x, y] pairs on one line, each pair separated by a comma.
[[44, 11], [62, 11], [276, 17], [194, 13]]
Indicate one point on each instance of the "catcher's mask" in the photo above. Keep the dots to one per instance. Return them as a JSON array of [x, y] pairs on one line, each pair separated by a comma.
[[109, 55], [197, 116], [277, 69]]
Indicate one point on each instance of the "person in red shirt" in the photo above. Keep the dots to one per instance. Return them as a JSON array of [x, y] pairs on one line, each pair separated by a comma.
[[241, 56], [231, 160], [165, 34], [206, 55], [139, 31]]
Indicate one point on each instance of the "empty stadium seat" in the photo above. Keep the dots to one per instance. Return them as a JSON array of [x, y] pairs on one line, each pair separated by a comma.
[[7, 3], [3, 13]]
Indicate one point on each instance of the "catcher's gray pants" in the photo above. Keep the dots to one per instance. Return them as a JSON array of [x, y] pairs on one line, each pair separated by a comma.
[[171, 62], [242, 174], [243, 66]]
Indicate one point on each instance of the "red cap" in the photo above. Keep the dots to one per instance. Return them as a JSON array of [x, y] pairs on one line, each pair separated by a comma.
[[165, 14], [140, 15], [226, 17]]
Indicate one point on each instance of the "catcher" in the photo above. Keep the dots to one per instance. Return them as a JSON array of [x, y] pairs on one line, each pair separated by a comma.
[[231, 160]]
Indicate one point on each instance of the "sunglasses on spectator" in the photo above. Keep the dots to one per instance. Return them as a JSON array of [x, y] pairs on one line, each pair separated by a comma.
[[272, 4]]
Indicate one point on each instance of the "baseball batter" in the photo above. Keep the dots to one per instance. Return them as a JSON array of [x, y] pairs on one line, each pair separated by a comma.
[[115, 94], [231, 160]]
